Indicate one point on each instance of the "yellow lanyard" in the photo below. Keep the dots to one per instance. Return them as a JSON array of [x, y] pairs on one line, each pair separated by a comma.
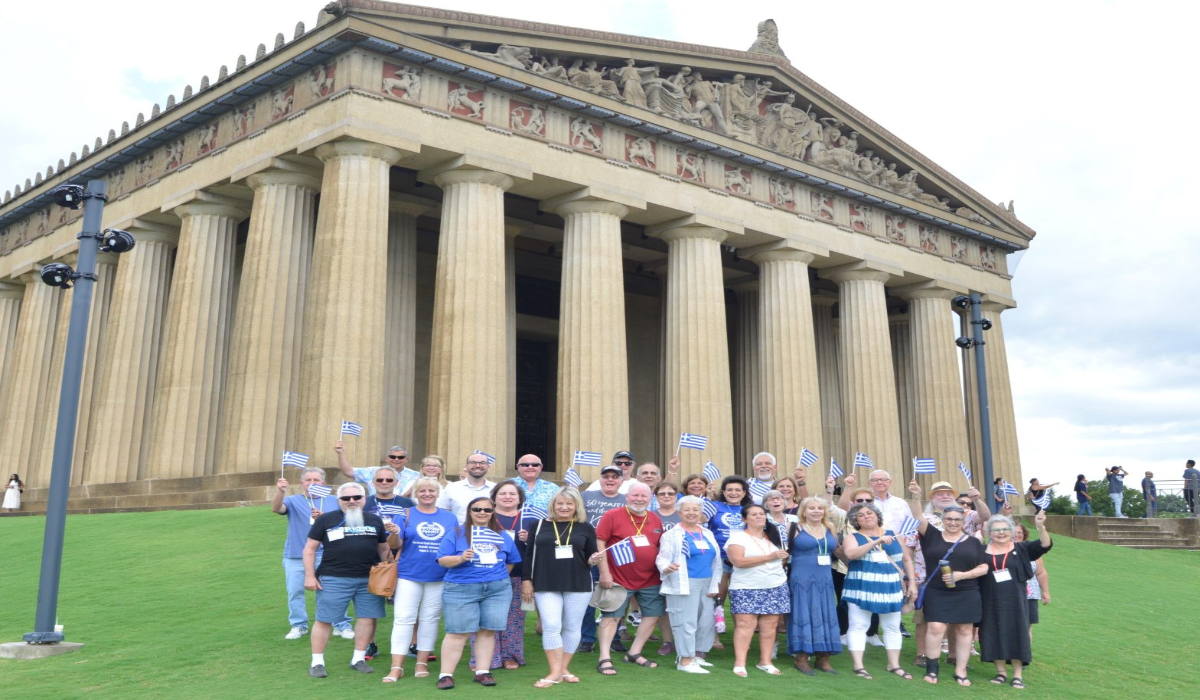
[[635, 523], [557, 539]]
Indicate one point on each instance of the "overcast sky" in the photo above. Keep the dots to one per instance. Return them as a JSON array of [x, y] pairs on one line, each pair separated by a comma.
[[1029, 101]]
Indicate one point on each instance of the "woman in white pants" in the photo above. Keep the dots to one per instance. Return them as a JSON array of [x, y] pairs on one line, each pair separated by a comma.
[[557, 574], [690, 564], [419, 584]]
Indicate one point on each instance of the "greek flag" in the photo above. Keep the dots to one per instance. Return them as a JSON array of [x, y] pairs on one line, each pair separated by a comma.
[[695, 442], [807, 457], [486, 535], [685, 550], [711, 472], [532, 512], [318, 491], [861, 460], [924, 465], [351, 428], [295, 459], [1009, 489], [709, 508], [572, 478], [834, 470], [389, 510], [586, 459], [965, 472], [758, 489], [909, 526], [622, 552], [491, 460], [1044, 501]]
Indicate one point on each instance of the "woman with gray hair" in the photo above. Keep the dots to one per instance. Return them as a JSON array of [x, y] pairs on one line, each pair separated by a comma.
[[690, 564], [1004, 631]]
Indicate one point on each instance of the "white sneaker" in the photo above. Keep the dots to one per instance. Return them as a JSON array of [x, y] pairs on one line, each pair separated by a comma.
[[347, 633], [702, 662], [875, 641], [691, 668], [296, 633], [635, 618]]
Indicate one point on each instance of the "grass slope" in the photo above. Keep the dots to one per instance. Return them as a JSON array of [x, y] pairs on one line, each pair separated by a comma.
[[191, 604]]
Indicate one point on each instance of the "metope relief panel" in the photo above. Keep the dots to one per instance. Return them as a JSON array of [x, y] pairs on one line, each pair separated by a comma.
[[282, 102], [528, 119], [402, 81], [737, 180], [587, 135], [641, 151], [465, 100]]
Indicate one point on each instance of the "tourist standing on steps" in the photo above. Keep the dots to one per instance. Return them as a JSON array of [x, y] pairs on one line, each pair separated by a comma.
[[1191, 485], [1082, 496], [1150, 495], [301, 510], [353, 541], [474, 484], [12, 494], [396, 460], [538, 491], [1116, 488]]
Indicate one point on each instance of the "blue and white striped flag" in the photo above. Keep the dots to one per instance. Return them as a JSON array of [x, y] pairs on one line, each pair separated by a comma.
[[909, 526], [532, 512], [491, 460], [485, 535], [319, 491], [685, 549], [808, 457], [861, 460], [389, 510], [695, 442], [1009, 489], [924, 465], [834, 470], [295, 459], [711, 472], [1044, 501], [709, 508], [351, 428], [965, 472], [622, 552], [758, 489], [586, 459], [572, 478]]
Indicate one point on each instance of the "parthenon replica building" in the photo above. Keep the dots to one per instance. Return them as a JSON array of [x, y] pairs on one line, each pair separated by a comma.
[[471, 233]]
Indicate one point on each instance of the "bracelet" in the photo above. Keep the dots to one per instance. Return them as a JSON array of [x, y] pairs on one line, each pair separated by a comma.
[[802, 483]]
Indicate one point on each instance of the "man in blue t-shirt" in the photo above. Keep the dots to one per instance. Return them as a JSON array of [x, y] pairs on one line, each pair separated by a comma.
[[301, 510], [1116, 487]]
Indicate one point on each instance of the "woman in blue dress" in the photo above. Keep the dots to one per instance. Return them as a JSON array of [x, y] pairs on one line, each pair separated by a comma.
[[874, 585], [813, 626]]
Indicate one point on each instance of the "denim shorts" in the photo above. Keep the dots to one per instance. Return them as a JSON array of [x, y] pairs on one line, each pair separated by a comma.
[[337, 592], [649, 600], [470, 607]]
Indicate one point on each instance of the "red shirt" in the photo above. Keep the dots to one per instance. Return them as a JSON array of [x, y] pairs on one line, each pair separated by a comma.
[[616, 525]]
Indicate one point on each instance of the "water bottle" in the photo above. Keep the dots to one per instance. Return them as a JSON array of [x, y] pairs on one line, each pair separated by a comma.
[[944, 567]]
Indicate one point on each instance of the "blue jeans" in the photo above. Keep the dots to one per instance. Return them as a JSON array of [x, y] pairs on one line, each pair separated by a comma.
[[1085, 508], [588, 632], [1116, 499], [293, 574]]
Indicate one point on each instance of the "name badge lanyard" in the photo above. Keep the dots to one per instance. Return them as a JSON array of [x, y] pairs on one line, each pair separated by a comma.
[[1003, 565], [636, 526], [558, 541]]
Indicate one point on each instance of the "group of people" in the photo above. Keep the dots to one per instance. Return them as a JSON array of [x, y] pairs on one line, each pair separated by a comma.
[[1114, 479], [798, 571]]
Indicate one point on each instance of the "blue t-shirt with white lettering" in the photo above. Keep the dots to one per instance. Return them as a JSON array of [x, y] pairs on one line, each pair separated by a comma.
[[727, 521], [486, 543], [299, 520], [421, 535]]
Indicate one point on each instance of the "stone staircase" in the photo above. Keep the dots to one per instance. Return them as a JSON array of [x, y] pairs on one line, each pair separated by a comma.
[[1138, 533], [191, 493]]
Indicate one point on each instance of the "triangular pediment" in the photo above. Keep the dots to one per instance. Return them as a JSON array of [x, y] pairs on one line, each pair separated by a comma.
[[753, 108]]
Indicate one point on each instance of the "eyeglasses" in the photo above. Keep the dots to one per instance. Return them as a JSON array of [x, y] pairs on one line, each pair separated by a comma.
[[397, 456], [529, 464], [864, 500], [999, 530], [477, 464], [623, 463], [350, 498], [879, 481], [385, 481], [963, 503], [477, 509], [952, 520]]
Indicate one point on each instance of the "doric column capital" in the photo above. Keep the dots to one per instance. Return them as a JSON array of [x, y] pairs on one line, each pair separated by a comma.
[[151, 232], [863, 270], [471, 175], [591, 206], [185, 211], [410, 205], [995, 303], [781, 255], [475, 161], [695, 226], [933, 289], [8, 290], [599, 196], [285, 177], [354, 147], [824, 298]]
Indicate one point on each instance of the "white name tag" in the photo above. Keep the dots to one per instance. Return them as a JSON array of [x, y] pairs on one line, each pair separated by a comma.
[[700, 544], [335, 534], [563, 551], [1002, 575], [640, 541], [823, 560], [487, 558], [511, 535], [311, 520]]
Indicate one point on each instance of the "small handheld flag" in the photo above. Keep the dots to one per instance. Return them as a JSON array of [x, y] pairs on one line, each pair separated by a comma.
[[695, 442], [572, 478], [834, 470], [532, 512], [710, 509], [924, 465], [350, 428], [909, 526], [586, 459], [758, 489], [861, 460], [1043, 501], [965, 472], [390, 510], [1009, 489], [319, 491], [685, 549], [295, 459], [485, 535], [491, 460], [808, 457], [711, 472], [622, 552]]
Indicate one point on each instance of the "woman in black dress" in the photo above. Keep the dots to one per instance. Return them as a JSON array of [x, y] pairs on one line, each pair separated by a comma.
[[1004, 632], [951, 599]]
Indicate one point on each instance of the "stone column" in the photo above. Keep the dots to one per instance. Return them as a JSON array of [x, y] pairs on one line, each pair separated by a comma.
[[747, 377], [872, 423], [259, 414], [902, 359], [469, 365], [27, 388], [400, 362], [342, 364], [698, 395], [593, 374], [937, 385], [829, 373], [119, 432], [787, 352], [192, 371], [511, 232], [10, 311], [1006, 454], [93, 358]]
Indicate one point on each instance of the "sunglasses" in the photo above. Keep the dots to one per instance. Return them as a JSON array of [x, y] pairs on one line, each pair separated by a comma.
[[397, 456], [864, 500], [482, 510], [623, 463], [963, 503], [350, 498], [529, 464], [385, 481]]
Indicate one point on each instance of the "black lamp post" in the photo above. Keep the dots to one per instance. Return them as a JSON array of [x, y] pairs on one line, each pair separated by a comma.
[[979, 324]]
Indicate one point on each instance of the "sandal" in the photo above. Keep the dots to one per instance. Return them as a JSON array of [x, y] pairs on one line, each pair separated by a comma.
[[740, 671], [546, 683], [389, 678], [570, 678], [769, 668], [1000, 679], [419, 673], [862, 673], [962, 680], [931, 671], [639, 660], [921, 660], [605, 667], [511, 665], [900, 672], [1018, 684]]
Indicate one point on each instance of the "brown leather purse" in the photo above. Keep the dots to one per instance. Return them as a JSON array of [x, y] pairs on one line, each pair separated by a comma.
[[382, 579]]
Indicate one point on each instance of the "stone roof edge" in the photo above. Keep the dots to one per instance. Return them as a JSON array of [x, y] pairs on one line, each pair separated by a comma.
[[419, 11]]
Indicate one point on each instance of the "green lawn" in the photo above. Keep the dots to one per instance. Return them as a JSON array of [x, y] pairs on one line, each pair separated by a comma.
[[191, 604]]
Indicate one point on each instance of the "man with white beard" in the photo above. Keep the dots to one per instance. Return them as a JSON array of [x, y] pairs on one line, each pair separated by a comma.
[[353, 542]]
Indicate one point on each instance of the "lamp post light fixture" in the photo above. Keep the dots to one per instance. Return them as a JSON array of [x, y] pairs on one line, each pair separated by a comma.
[[979, 324]]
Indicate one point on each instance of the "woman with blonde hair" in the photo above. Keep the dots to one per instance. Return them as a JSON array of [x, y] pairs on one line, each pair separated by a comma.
[[813, 626], [432, 466]]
